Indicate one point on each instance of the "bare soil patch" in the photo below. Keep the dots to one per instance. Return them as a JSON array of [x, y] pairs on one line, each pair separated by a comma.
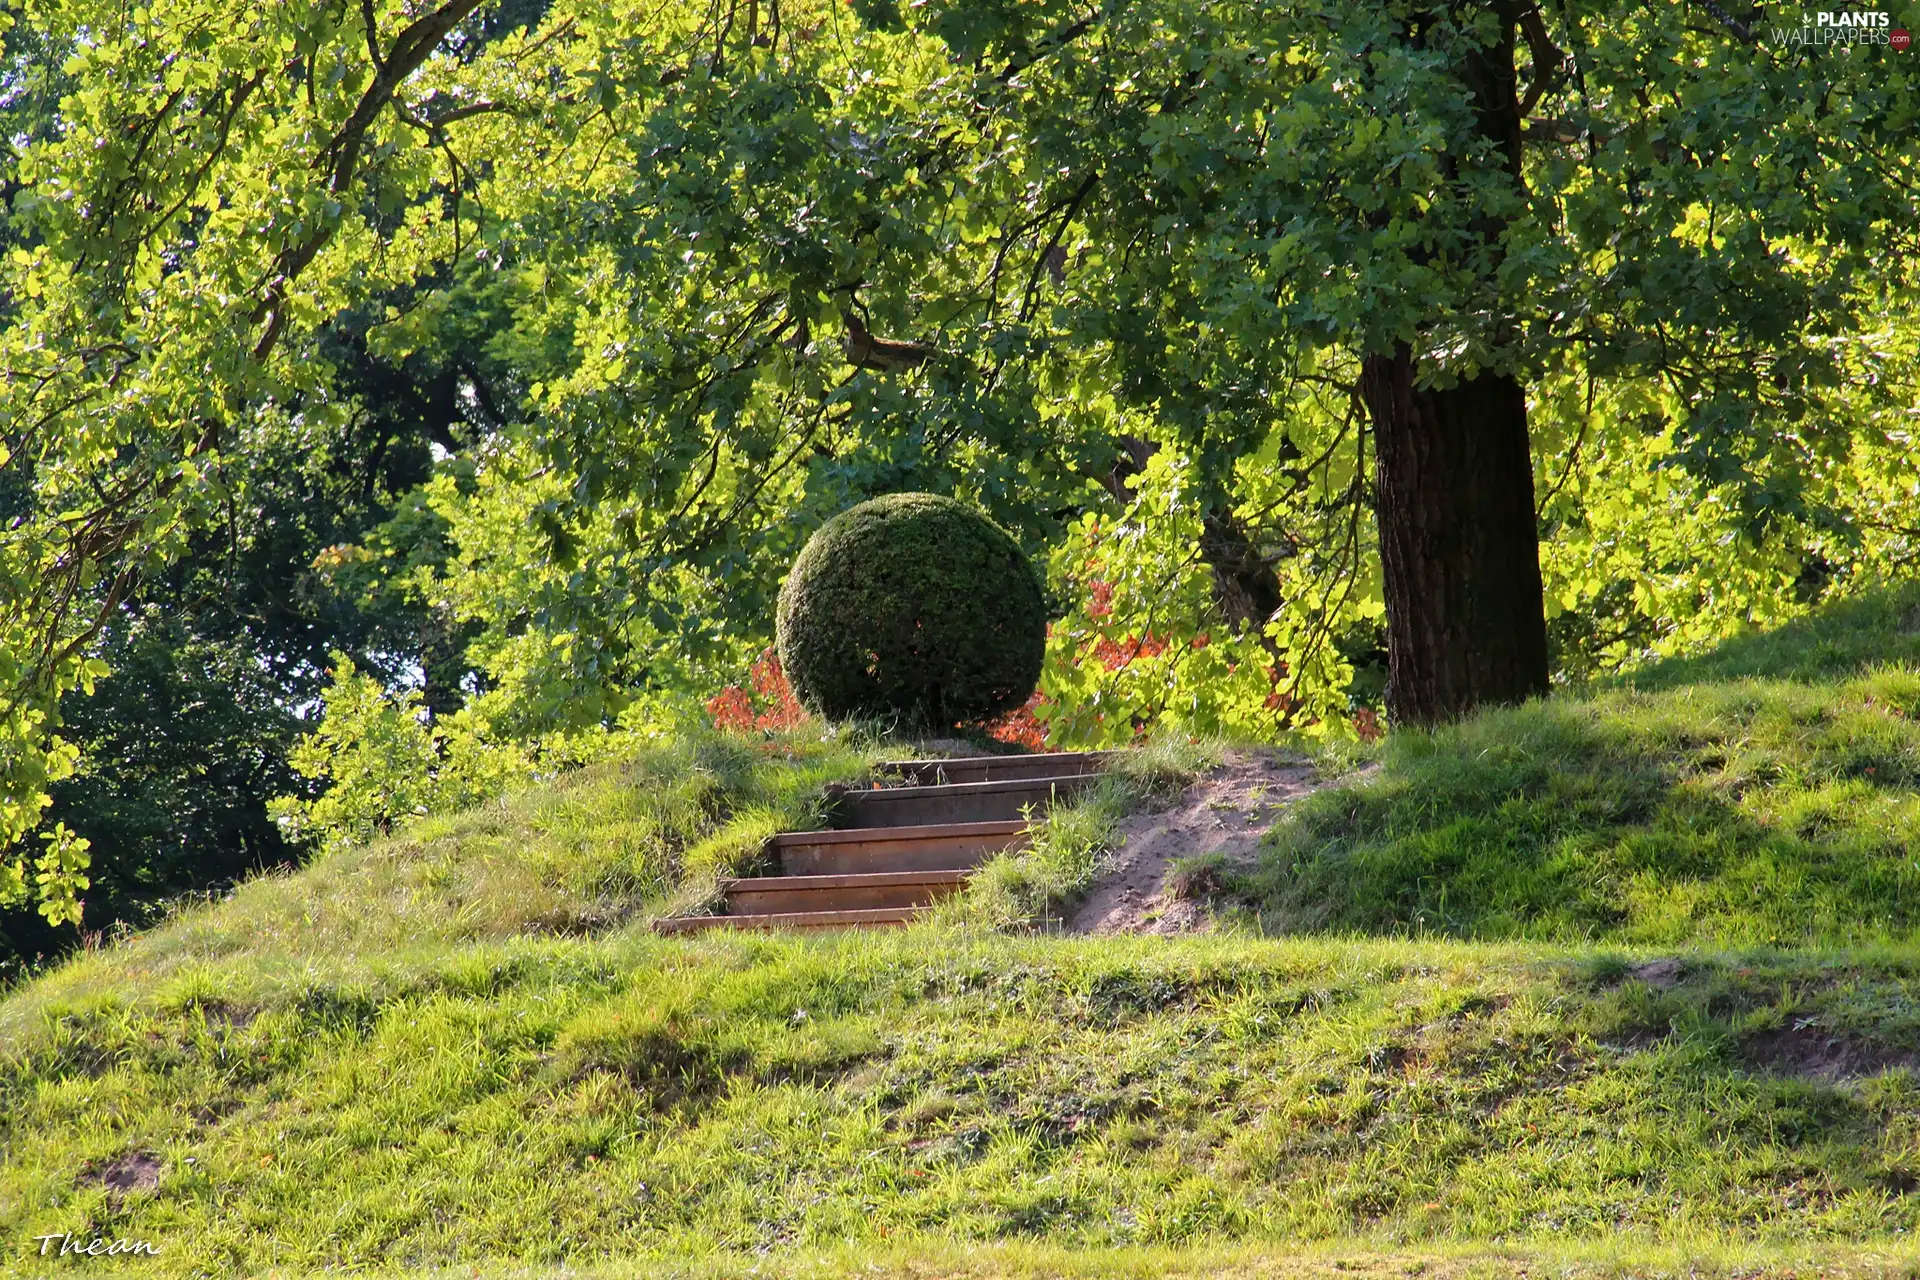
[[1817, 1054], [134, 1171], [1228, 811], [1661, 975]]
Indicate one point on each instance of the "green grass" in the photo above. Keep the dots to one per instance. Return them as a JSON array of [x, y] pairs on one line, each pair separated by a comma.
[[1771, 796], [595, 1099], [588, 852], [1877, 628], [1640, 999], [1377, 1260]]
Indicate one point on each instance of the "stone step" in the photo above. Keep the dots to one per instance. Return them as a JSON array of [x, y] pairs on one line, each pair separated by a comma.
[[950, 846], [898, 849], [998, 768], [968, 802], [869, 919], [782, 895]]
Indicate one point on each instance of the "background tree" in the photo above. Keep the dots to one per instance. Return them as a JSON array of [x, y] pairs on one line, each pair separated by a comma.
[[220, 645], [1263, 320]]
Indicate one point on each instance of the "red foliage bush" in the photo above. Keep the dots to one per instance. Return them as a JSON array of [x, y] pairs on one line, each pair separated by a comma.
[[1114, 656], [1020, 727], [1102, 592], [770, 708]]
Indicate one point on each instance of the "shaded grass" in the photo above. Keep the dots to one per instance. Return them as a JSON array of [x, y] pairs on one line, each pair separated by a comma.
[[590, 1100], [1744, 809]]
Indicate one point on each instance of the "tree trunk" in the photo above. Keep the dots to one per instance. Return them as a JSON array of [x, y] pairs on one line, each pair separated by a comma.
[[1459, 546], [1246, 589]]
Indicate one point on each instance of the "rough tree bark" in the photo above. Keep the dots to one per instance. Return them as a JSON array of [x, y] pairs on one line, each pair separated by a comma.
[[1459, 548], [1459, 544], [1246, 589]]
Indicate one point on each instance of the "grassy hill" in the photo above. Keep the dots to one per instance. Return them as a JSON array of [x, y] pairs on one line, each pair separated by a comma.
[[1767, 794], [1622, 983]]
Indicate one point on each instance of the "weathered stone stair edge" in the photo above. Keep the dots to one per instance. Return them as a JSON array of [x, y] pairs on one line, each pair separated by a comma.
[[964, 790], [929, 772], [954, 802], [780, 895], [927, 831], [926, 855], [793, 920], [844, 880]]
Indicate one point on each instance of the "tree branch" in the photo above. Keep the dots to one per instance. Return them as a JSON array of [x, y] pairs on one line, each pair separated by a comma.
[[1728, 21], [1548, 59], [410, 49]]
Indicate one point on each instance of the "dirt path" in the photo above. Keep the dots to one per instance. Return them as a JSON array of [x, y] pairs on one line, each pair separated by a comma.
[[1228, 811]]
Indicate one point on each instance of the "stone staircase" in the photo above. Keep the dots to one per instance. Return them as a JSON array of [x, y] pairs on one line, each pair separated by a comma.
[[900, 846]]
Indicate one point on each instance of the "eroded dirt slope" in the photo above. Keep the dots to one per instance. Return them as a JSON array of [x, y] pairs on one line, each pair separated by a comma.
[[1228, 811]]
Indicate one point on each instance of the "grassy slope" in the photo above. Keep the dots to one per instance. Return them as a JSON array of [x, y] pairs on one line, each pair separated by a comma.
[[459, 1047], [1767, 794], [590, 852], [591, 1099]]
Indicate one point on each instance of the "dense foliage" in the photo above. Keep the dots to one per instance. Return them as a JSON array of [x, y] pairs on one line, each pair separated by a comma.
[[608, 307], [914, 608]]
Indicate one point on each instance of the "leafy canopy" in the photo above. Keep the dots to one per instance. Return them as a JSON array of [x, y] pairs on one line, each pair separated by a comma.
[[747, 263]]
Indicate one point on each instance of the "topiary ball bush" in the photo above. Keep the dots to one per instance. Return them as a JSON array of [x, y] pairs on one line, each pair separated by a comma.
[[915, 608]]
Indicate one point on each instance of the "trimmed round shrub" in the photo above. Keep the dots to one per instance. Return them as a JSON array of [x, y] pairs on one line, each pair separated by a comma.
[[912, 607]]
